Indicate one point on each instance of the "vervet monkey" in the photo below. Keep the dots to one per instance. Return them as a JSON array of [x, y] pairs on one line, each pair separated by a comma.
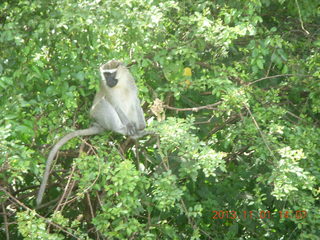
[[116, 107]]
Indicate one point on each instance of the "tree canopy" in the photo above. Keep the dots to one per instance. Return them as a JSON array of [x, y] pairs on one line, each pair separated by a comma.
[[230, 89]]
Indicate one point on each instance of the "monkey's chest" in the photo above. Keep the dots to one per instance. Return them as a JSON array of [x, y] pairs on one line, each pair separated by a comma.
[[125, 101]]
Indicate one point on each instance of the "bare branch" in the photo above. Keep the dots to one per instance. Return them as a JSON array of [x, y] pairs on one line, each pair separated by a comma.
[[194, 109]]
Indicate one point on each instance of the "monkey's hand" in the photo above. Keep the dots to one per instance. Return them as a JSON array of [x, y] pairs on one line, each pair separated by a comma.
[[131, 129]]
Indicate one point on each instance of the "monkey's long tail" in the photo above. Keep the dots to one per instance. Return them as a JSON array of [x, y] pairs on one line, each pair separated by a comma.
[[84, 132]]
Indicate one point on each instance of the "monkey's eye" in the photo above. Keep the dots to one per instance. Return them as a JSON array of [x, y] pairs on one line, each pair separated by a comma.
[[109, 75]]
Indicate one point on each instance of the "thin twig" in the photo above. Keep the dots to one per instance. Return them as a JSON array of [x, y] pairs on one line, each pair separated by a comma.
[[300, 18], [257, 126], [204, 122], [91, 185], [98, 198], [294, 115], [73, 183], [47, 204], [276, 76], [66, 189], [5, 221], [270, 65], [90, 205], [92, 213], [218, 127], [190, 220]]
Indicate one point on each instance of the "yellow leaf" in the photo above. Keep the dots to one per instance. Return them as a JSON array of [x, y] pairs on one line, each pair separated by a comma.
[[187, 72]]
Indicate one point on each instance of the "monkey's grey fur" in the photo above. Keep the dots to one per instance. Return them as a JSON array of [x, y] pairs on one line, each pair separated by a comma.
[[116, 107]]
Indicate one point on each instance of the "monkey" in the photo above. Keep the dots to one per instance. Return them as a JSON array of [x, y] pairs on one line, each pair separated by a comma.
[[116, 107], [118, 100]]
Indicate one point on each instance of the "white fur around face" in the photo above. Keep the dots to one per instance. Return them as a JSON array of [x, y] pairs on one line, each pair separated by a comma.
[[109, 70]]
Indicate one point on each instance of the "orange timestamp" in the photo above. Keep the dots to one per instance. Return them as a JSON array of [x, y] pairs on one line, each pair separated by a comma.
[[262, 214]]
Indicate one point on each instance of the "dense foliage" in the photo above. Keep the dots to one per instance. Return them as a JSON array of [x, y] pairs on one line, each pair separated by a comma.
[[231, 89]]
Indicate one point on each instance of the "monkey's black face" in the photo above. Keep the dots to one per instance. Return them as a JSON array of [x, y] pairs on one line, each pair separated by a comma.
[[110, 78]]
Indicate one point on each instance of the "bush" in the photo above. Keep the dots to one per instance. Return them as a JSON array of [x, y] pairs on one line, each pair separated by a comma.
[[230, 88]]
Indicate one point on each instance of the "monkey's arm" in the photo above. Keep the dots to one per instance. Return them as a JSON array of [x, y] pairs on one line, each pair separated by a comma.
[[85, 132], [130, 127]]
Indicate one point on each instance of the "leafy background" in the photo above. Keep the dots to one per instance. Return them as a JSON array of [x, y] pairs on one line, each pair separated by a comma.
[[231, 88]]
